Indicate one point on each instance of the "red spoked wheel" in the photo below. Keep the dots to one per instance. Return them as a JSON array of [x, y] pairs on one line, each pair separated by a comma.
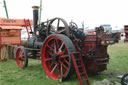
[[21, 57], [55, 56]]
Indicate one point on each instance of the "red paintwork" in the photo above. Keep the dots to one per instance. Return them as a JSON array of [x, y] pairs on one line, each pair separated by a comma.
[[27, 23], [91, 32], [10, 30], [97, 62], [10, 27], [10, 34], [48, 64], [13, 22], [80, 68], [20, 58]]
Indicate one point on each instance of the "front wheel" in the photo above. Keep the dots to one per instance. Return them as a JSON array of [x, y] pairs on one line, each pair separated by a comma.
[[21, 57]]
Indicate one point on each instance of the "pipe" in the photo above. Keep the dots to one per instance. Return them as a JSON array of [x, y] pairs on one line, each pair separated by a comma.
[[40, 11], [5, 6], [35, 17]]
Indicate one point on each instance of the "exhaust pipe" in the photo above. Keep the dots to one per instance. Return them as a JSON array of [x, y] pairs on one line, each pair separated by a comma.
[[35, 17]]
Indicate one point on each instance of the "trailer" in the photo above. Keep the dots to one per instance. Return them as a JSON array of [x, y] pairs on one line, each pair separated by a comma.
[[10, 34]]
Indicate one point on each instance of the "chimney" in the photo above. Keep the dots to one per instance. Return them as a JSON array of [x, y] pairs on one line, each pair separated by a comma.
[[35, 17]]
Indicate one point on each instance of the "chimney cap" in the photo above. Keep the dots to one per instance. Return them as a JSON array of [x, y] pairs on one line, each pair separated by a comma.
[[35, 7]]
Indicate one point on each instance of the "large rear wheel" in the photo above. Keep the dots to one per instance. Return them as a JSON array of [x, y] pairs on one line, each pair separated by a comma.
[[56, 59]]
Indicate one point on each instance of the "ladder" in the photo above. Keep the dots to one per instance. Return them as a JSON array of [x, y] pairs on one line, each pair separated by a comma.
[[27, 24], [80, 68]]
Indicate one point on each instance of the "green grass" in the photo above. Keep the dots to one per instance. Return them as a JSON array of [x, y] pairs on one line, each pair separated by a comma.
[[119, 58], [10, 74]]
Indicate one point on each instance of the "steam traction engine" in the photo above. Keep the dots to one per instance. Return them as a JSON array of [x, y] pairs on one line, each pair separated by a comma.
[[65, 47]]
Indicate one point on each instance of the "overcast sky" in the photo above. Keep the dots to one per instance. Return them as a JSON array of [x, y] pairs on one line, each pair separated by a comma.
[[92, 12]]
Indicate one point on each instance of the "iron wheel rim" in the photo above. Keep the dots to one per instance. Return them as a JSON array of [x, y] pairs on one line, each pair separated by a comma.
[[62, 67]]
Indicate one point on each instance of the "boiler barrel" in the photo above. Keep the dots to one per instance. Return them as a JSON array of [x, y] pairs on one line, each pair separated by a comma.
[[34, 43]]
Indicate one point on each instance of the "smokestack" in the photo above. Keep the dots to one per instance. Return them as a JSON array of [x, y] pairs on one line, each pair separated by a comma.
[[35, 17]]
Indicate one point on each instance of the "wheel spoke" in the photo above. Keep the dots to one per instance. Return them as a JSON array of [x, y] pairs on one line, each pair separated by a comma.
[[50, 53], [58, 24], [50, 48], [54, 47], [57, 43], [66, 61], [65, 50], [64, 65], [60, 53], [52, 63], [54, 68], [58, 69], [21, 53], [61, 70], [61, 46], [64, 56], [48, 59], [60, 31]]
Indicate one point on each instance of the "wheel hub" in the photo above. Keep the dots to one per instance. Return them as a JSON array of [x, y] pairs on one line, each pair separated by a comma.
[[55, 58]]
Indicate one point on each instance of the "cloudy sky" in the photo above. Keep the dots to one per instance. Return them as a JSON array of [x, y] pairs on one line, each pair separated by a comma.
[[92, 12]]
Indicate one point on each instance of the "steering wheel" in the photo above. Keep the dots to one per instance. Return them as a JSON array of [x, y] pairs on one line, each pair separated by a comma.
[[73, 26]]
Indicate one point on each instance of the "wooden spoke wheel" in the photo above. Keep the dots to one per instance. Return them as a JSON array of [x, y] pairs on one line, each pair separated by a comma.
[[21, 57], [55, 56]]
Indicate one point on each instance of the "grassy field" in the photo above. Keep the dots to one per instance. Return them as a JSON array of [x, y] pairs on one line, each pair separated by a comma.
[[10, 74]]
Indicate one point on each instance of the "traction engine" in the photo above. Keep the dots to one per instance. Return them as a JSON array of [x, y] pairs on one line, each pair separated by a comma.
[[64, 47]]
